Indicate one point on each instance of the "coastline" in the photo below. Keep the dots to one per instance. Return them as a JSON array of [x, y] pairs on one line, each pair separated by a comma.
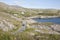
[[49, 16]]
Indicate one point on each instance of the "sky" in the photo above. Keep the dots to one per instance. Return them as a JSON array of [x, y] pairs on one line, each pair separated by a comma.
[[34, 3]]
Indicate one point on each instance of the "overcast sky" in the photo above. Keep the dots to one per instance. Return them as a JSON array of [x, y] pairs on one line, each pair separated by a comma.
[[34, 3]]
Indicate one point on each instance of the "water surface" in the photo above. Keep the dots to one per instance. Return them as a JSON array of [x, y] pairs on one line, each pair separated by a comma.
[[53, 20]]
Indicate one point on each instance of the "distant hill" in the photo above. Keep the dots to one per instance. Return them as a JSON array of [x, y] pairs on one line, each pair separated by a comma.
[[14, 8]]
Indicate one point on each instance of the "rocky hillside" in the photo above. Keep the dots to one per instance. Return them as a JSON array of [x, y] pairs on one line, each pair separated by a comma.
[[11, 27], [10, 15]]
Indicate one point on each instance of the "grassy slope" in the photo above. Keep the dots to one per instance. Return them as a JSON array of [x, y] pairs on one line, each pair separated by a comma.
[[24, 35]]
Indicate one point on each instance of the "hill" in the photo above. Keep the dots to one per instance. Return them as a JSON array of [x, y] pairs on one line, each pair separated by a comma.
[[11, 27]]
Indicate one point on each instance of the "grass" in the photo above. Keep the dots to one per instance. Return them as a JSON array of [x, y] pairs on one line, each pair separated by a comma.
[[26, 36], [17, 24]]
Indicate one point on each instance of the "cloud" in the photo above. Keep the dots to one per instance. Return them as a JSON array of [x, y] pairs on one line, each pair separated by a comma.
[[18, 2]]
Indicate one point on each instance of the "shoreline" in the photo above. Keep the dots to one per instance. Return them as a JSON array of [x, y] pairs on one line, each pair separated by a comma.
[[49, 16], [43, 17]]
